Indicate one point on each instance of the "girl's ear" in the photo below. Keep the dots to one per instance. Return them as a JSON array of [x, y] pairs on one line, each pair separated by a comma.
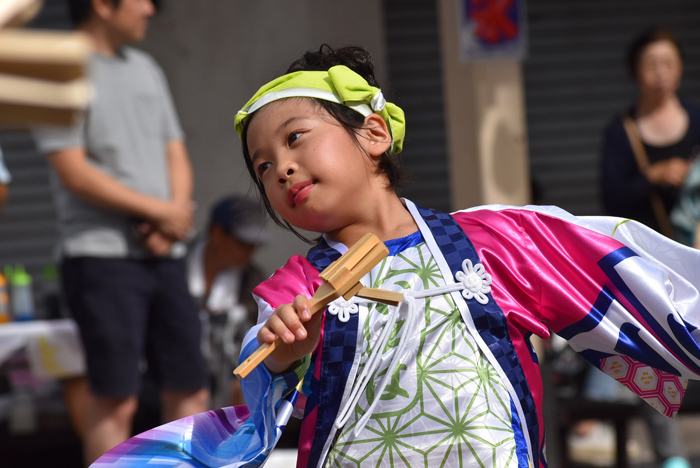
[[376, 136]]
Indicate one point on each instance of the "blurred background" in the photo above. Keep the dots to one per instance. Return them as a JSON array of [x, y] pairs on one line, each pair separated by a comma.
[[570, 84], [504, 130]]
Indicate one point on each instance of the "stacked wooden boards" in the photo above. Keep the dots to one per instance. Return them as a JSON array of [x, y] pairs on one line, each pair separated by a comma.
[[42, 74]]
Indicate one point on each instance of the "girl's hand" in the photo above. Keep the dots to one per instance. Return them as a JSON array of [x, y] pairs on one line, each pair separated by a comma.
[[297, 328]]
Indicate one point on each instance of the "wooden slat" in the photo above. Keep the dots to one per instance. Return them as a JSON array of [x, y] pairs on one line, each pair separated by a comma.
[[345, 274], [56, 56]]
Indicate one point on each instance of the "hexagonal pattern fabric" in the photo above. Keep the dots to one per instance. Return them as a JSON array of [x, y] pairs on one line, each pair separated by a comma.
[[661, 390]]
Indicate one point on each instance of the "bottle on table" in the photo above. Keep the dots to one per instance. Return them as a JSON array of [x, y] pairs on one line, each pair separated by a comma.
[[21, 295], [5, 315]]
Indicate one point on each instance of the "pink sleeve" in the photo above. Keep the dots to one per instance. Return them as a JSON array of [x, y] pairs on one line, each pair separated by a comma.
[[298, 276], [544, 269], [630, 308]]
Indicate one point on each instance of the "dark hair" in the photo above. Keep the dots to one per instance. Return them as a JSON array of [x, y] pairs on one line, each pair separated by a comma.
[[361, 62], [655, 34], [80, 10]]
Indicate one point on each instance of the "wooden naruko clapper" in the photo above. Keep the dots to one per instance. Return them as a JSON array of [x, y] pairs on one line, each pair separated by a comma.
[[340, 279]]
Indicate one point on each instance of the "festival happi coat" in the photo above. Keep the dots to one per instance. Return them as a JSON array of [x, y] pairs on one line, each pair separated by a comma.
[[450, 375]]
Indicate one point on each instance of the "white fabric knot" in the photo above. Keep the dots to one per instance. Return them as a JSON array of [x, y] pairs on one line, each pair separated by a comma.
[[343, 308], [476, 282], [378, 102]]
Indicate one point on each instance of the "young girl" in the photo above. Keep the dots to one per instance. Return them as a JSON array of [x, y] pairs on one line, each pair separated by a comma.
[[449, 377]]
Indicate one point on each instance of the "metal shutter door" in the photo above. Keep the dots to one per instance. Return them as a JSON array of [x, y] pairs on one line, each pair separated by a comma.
[[28, 223], [413, 53], [576, 81]]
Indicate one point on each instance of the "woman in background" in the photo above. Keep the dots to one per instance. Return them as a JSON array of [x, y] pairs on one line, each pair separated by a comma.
[[667, 128]]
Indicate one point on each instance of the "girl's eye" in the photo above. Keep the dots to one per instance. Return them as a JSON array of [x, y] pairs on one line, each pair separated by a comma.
[[262, 168], [293, 137]]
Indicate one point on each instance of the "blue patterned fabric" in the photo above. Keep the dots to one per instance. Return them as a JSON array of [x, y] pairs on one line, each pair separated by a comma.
[[520, 442], [396, 246], [228, 437], [630, 343], [339, 344], [489, 319]]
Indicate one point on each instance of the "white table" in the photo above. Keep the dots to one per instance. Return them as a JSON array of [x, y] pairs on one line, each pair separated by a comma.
[[53, 347]]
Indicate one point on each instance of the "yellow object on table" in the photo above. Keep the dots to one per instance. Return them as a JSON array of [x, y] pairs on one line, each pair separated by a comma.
[[53, 347]]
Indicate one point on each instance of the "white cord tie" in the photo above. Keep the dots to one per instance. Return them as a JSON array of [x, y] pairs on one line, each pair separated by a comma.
[[476, 282], [473, 281], [343, 308], [374, 361]]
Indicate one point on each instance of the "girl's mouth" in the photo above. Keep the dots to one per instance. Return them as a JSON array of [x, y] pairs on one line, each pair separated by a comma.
[[299, 192]]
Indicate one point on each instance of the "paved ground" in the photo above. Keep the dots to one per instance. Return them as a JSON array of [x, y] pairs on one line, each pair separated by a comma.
[[643, 456], [282, 458]]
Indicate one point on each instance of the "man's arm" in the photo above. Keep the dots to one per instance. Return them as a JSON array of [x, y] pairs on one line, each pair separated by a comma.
[[179, 171], [4, 194], [77, 175], [180, 176]]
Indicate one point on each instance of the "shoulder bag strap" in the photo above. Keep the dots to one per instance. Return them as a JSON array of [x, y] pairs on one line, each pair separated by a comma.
[[640, 155]]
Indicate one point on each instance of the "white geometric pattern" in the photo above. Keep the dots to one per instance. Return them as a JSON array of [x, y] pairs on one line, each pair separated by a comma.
[[445, 405]]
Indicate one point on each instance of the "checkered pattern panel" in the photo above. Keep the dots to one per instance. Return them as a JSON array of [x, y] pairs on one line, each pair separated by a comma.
[[321, 255], [489, 319], [339, 343], [291, 379]]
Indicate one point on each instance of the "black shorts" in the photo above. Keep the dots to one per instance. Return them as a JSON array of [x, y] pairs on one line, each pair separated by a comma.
[[128, 310]]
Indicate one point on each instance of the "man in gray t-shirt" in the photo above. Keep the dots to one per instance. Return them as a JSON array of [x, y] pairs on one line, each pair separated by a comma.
[[122, 182], [114, 166]]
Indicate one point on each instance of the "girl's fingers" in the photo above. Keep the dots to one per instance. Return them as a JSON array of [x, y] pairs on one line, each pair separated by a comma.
[[265, 335], [279, 328], [303, 307], [285, 323], [290, 316]]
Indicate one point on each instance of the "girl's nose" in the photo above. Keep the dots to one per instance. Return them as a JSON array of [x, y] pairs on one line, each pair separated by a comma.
[[285, 173]]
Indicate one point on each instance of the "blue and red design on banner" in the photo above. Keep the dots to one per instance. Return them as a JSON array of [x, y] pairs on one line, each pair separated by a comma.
[[492, 29]]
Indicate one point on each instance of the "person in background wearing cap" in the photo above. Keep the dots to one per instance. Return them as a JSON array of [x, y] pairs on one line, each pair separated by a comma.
[[221, 278]]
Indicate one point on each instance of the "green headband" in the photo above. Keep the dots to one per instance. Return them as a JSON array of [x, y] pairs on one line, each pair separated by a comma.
[[340, 85]]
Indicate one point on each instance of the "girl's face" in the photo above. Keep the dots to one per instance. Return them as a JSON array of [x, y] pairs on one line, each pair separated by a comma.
[[316, 176], [659, 69]]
